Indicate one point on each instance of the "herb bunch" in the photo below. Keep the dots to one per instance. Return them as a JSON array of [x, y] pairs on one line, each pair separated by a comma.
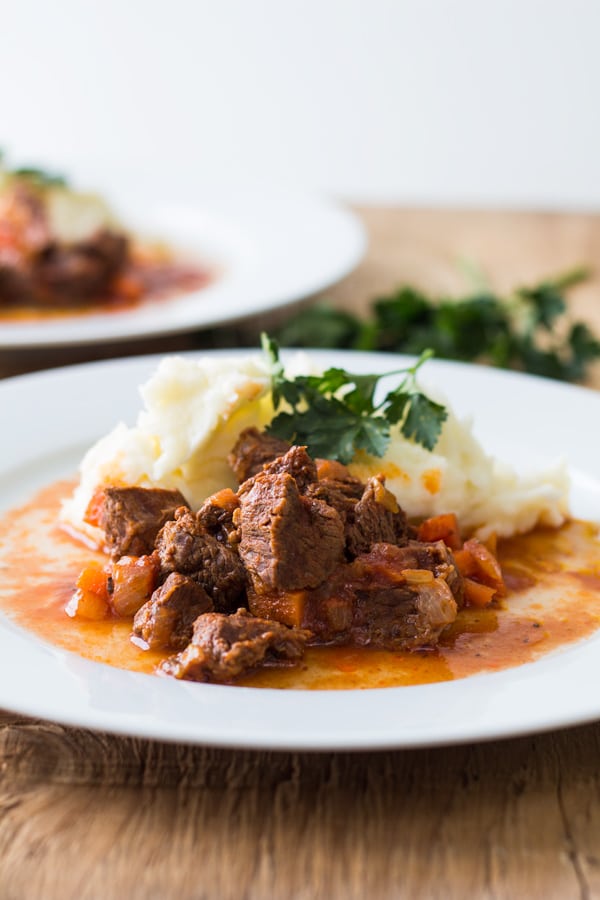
[[38, 177], [336, 413], [529, 330]]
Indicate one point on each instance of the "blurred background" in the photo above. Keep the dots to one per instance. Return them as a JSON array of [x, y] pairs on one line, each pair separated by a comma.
[[436, 102]]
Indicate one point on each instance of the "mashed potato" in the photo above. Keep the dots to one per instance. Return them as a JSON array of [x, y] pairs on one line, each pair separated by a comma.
[[194, 410]]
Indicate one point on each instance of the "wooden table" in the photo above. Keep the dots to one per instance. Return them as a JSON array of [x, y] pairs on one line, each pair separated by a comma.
[[89, 815]]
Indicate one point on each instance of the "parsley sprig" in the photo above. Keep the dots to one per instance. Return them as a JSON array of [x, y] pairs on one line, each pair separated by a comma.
[[336, 413], [38, 177], [530, 329]]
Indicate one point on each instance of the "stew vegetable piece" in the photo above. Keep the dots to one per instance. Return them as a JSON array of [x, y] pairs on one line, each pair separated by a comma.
[[301, 553]]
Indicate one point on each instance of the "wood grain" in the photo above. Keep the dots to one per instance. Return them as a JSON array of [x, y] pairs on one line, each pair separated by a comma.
[[89, 815]]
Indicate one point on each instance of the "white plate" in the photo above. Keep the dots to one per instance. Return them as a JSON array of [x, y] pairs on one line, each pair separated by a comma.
[[270, 247], [48, 419]]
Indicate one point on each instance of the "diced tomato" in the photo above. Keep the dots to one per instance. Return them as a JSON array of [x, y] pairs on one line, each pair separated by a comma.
[[441, 528], [133, 581]]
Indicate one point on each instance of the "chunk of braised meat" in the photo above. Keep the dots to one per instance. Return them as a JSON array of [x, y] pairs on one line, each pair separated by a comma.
[[435, 557], [395, 606], [222, 647], [131, 517], [69, 274], [297, 463], [15, 286], [370, 512], [287, 541], [166, 621], [184, 546], [252, 450], [385, 598], [216, 515]]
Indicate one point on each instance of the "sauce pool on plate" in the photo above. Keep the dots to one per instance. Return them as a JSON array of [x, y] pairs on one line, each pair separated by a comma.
[[553, 599]]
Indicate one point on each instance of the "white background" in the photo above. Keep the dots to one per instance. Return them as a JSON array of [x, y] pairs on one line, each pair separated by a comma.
[[473, 102]]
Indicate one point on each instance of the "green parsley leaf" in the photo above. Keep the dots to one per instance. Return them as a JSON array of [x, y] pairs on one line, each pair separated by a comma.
[[335, 414], [529, 329], [424, 420]]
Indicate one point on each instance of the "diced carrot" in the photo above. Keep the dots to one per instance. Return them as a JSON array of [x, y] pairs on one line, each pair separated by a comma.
[[87, 605], [465, 562], [129, 287], [90, 598], [487, 567], [133, 581], [441, 528], [94, 579], [477, 594], [332, 469], [287, 607]]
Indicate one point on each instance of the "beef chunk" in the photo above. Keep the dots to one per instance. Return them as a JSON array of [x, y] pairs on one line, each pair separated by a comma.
[[297, 463], [131, 517], [15, 286], [402, 618], [435, 557], [377, 519], [287, 541], [65, 274], [252, 450], [395, 598], [370, 512], [216, 515], [184, 546], [223, 647], [166, 621]]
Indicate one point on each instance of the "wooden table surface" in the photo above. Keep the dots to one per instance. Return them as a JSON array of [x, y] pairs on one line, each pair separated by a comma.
[[90, 815]]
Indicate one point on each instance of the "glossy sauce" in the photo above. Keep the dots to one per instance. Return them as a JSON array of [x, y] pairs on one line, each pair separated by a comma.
[[553, 579]]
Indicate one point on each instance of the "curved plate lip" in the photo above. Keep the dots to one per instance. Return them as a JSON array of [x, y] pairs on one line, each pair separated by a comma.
[[555, 691], [270, 248]]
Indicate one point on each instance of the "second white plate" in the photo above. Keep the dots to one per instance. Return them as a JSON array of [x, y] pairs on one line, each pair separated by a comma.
[[270, 247]]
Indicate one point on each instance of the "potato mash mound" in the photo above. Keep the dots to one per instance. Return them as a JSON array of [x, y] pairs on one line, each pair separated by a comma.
[[194, 410]]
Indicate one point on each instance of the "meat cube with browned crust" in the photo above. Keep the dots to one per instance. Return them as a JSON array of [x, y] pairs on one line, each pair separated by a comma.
[[166, 621], [222, 647]]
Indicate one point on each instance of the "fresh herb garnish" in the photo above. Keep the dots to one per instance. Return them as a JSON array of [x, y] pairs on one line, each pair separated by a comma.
[[336, 413], [528, 330], [40, 177]]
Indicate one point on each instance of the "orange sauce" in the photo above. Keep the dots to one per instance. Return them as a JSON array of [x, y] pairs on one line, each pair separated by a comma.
[[553, 579]]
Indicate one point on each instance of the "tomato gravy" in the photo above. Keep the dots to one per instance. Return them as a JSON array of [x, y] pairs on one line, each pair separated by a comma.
[[553, 599]]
